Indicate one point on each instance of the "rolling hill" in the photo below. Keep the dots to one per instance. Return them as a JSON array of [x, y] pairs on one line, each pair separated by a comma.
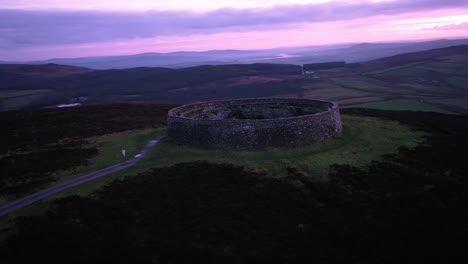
[[433, 80], [295, 55], [154, 212]]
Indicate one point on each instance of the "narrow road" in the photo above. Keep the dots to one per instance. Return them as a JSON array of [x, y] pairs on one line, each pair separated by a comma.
[[25, 201]]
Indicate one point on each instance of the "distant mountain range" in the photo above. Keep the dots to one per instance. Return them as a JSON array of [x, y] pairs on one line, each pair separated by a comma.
[[298, 55]]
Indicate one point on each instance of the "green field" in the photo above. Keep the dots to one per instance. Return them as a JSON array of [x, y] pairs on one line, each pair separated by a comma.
[[458, 102], [15, 99], [390, 69], [459, 82], [110, 150], [409, 72], [448, 67], [6, 94], [454, 73], [418, 70], [403, 105], [370, 87], [333, 93]]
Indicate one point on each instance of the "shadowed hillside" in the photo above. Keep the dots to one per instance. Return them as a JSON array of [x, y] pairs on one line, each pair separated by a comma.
[[44, 70], [417, 57]]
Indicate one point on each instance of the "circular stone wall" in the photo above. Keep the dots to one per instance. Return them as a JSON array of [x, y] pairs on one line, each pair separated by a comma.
[[254, 123]]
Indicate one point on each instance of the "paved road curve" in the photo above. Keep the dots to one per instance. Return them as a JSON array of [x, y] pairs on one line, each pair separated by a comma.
[[20, 203]]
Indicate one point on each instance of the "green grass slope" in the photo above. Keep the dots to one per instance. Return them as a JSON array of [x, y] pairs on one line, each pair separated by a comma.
[[362, 140]]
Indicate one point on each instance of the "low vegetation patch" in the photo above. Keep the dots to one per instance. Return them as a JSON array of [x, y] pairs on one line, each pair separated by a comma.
[[22, 173], [42, 147]]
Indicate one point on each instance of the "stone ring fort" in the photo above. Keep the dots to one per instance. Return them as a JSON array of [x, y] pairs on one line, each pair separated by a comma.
[[254, 123]]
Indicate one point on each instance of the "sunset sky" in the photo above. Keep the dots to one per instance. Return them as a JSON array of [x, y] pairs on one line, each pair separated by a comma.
[[42, 29]]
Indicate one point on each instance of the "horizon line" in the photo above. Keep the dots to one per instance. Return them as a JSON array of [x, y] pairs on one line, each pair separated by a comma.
[[212, 50]]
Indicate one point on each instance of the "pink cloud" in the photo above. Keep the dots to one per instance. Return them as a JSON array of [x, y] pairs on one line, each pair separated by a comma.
[[28, 35], [462, 26]]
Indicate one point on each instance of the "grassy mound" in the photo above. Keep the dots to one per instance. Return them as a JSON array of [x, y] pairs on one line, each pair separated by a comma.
[[363, 139]]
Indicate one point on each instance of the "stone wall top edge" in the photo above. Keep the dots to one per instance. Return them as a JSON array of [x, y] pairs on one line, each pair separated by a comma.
[[331, 109]]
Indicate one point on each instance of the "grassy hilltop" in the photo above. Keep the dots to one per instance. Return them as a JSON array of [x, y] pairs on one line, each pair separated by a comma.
[[398, 190]]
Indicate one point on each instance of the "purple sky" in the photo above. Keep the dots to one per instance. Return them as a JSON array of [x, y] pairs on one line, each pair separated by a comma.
[[41, 29]]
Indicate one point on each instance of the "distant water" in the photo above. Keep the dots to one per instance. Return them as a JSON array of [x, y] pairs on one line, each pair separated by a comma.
[[279, 56]]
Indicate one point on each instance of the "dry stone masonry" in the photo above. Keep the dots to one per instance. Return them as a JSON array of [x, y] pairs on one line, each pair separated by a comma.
[[254, 123]]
